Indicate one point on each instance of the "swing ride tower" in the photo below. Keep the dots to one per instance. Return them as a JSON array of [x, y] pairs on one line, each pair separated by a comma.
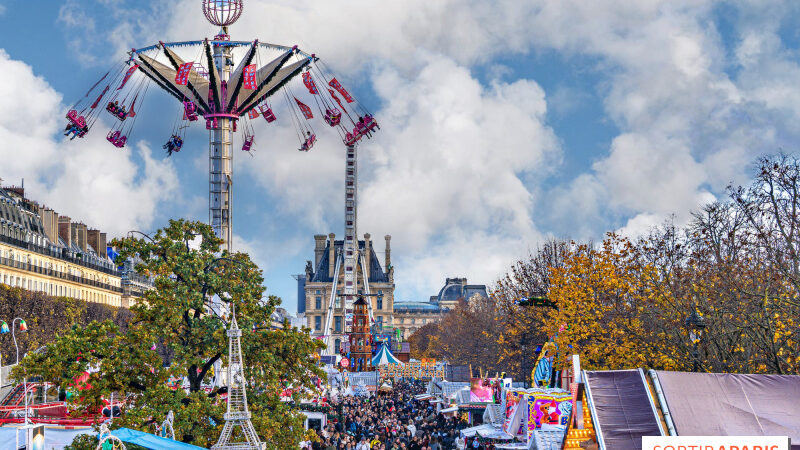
[[222, 92], [226, 84]]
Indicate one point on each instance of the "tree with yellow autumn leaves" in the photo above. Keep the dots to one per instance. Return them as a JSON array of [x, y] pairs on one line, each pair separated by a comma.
[[624, 303]]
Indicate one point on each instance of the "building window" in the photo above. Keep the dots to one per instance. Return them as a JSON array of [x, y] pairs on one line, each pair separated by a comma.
[[379, 303], [338, 302], [317, 323], [379, 319], [318, 292], [337, 324], [318, 302], [412, 320], [337, 345]]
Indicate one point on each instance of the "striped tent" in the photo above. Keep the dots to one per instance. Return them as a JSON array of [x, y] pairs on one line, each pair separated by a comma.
[[384, 357]]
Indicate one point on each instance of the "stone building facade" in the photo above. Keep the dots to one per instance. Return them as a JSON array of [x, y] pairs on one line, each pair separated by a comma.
[[411, 316], [43, 251], [317, 286]]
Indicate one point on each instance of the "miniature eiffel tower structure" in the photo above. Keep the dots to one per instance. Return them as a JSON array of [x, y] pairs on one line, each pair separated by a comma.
[[238, 415]]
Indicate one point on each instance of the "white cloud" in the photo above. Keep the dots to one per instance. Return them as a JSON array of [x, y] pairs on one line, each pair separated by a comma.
[[456, 161], [87, 179]]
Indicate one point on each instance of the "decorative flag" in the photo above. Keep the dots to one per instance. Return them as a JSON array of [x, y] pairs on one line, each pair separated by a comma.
[[249, 75], [309, 82], [306, 110], [252, 114], [333, 94], [95, 85], [97, 102], [336, 85], [22, 325], [4, 328], [182, 76], [131, 112], [128, 75]]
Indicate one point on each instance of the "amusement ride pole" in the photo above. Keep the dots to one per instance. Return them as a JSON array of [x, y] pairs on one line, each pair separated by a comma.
[[220, 154]]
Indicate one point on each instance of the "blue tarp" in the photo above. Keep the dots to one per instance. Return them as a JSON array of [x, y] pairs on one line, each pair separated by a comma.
[[152, 441]]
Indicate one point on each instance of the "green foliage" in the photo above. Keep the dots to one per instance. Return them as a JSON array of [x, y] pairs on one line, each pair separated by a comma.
[[47, 317], [182, 319]]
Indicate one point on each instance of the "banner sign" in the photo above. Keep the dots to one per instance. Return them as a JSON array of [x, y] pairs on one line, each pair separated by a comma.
[[182, 76], [715, 442], [480, 391], [309, 82], [305, 109], [336, 85], [128, 75], [249, 76]]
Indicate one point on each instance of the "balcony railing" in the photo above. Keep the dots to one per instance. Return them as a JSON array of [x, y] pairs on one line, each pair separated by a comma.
[[61, 254], [8, 262]]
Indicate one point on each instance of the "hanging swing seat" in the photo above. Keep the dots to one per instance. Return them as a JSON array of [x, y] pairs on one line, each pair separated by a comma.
[[309, 142], [190, 111], [333, 117], [248, 143], [351, 138], [78, 123], [269, 116], [174, 144], [116, 138], [117, 111]]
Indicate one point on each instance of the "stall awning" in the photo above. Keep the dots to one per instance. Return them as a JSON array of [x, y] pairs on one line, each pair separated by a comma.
[[622, 409], [725, 404]]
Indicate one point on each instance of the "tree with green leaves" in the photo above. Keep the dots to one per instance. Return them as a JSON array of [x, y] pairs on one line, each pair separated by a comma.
[[177, 333]]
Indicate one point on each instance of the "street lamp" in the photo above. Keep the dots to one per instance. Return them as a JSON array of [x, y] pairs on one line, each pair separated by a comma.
[[22, 327], [695, 323]]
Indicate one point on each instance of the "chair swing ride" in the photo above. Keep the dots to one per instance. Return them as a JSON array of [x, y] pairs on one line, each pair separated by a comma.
[[202, 77]]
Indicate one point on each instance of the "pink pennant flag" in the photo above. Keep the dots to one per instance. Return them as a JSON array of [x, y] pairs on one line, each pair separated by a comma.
[[249, 75], [128, 75], [252, 113], [309, 82], [182, 76], [336, 85], [306, 110], [131, 112], [333, 94], [97, 102]]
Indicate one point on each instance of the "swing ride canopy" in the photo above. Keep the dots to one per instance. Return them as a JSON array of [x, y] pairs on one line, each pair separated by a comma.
[[201, 83]]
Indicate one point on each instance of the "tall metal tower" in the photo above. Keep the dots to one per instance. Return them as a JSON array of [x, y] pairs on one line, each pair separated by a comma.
[[238, 414], [221, 91], [350, 261]]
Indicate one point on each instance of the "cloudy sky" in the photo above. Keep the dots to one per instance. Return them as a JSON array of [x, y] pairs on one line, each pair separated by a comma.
[[503, 122]]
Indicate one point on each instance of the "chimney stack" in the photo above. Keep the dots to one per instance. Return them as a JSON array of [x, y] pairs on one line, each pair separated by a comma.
[[319, 249], [98, 242], [368, 253], [331, 255], [388, 257], [79, 235], [65, 230], [50, 223], [104, 245]]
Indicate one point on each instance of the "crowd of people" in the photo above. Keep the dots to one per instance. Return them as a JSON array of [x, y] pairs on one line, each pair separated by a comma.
[[390, 421]]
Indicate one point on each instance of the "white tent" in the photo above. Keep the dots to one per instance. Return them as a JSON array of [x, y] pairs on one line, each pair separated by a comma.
[[385, 357]]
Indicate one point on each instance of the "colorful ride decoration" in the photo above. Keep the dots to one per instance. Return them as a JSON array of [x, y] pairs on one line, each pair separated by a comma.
[[543, 371], [108, 441], [528, 410], [415, 370]]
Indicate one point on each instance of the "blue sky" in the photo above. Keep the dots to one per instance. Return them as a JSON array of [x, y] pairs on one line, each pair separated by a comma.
[[503, 123]]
